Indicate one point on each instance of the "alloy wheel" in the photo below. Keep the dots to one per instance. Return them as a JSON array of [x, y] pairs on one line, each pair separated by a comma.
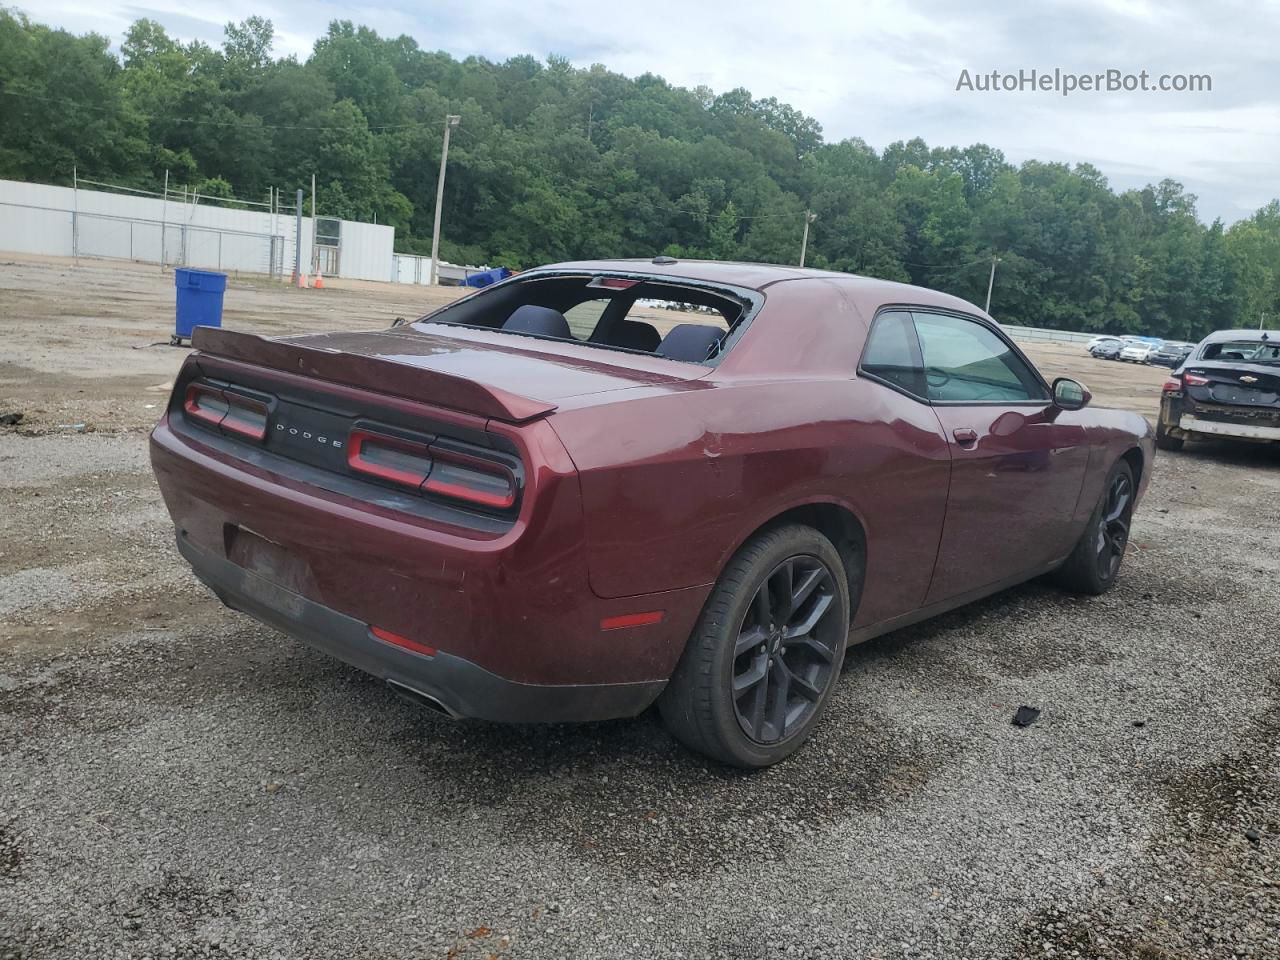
[[785, 653], [1113, 525]]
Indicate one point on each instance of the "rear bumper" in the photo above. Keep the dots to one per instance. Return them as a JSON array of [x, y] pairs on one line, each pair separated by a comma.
[[460, 687], [516, 606], [1217, 428]]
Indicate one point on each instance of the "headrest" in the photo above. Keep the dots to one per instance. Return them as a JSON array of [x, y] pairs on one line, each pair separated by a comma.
[[540, 320], [693, 342]]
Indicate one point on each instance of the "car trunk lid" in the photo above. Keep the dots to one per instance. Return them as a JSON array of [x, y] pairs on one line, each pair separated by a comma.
[[1233, 382], [503, 376]]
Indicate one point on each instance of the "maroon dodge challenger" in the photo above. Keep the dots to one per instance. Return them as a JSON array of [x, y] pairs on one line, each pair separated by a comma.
[[600, 485]]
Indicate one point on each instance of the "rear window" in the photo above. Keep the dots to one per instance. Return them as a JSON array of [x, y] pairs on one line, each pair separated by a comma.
[[667, 318], [1252, 351]]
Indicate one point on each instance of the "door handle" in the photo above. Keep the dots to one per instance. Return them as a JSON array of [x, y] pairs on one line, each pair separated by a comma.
[[965, 435]]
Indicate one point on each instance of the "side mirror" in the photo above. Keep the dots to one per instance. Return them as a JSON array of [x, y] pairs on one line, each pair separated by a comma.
[[1070, 395]]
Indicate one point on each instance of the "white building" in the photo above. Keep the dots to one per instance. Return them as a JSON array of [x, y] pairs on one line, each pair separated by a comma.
[[191, 231]]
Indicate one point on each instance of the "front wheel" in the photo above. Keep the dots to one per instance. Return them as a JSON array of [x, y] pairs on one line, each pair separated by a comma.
[[758, 670], [1095, 562]]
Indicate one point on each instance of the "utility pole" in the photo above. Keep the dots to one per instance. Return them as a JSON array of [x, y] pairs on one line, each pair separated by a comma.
[[75, 215], [297, 241], [315, 251], [164, 219], [991, 282], [450, 121], [809, 217]]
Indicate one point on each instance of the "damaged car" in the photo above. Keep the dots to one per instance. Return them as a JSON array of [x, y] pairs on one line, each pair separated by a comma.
[[1228, 388], [598, 486]]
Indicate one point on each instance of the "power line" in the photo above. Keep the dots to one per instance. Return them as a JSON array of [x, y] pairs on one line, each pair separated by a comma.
[[946, 266], [754, 216]]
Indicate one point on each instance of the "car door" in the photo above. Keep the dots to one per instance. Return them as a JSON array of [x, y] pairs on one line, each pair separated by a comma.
[[1017, 460]]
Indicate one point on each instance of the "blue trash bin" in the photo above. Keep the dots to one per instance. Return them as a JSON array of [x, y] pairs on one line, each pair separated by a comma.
[[486, 277], [199, 300]]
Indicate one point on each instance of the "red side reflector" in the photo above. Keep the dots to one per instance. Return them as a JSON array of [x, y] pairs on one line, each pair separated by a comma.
[[394, 638], [631, 620]]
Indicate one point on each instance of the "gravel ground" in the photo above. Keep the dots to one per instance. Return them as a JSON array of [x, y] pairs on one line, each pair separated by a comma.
[[178, 781]]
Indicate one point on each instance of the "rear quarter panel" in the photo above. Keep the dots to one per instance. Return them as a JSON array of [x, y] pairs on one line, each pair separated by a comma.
[[673, 484]]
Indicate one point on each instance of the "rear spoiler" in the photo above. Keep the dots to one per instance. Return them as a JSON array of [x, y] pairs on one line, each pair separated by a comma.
[[372, 373]]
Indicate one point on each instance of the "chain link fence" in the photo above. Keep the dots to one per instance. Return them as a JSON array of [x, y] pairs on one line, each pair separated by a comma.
[[57, 231]]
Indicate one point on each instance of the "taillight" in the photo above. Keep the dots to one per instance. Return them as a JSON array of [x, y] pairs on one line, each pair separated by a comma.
[[205, 403], [246, 417], [1172, 385], [473, 479], [433, 468], [388, 458], [226, 410], [1194, 380]]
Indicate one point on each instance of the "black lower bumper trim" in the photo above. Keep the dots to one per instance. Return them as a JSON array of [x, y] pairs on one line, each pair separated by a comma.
[[462, 688]]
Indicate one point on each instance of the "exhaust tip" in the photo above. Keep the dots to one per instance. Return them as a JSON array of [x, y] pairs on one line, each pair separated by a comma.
[[414, 696]]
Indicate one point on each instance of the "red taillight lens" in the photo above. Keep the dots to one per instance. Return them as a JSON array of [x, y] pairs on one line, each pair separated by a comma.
[[472, 479], [388, 458], [226, 409], [1194, 380], [1172, 385], [205, 403], [433, 467], [246, 417]]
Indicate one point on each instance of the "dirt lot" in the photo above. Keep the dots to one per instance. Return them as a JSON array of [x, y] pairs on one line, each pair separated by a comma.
[[176, 780]]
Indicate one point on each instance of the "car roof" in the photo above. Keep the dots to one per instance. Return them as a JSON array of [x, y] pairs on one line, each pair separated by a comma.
[[758, 276], [1218, 336], [753, 276]]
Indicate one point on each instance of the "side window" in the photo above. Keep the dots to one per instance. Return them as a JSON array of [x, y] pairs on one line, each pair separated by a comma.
[[966, 362], [891, 352]]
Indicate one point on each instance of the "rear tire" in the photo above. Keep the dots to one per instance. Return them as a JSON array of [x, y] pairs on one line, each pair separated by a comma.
[[1164, 441], [1095, 562], [758, 671]]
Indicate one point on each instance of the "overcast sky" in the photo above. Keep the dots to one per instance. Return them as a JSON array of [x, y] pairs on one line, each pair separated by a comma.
[[874, 69]]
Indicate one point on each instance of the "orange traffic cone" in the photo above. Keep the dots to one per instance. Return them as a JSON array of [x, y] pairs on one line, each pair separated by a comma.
[[319, 281], [302, 281]]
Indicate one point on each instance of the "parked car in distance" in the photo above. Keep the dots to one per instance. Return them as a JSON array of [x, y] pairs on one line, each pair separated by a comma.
[[530, 505], [1228, 388], [1172, 354], [1097, 341], [1140, 351], [1106, 348]]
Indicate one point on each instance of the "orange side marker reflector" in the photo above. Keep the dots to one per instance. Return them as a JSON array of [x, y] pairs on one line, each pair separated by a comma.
[[388, 637], [631, 620]]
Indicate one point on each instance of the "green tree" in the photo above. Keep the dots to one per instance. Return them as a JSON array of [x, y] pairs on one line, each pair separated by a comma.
[[553, 161]]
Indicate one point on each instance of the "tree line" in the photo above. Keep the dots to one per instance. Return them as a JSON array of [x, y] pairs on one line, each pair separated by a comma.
[[554, 162]]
